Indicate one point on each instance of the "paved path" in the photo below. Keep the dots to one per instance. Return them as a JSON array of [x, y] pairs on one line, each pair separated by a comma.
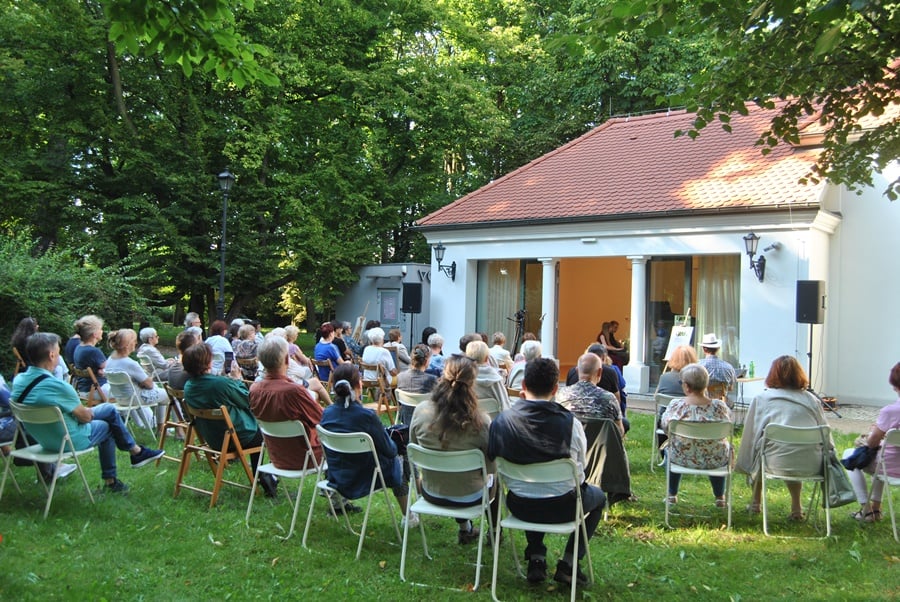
[[853, 419]]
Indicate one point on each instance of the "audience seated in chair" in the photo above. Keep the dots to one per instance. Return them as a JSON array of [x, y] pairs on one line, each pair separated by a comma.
[[352, 476], [207, 391], [123, 342], [888, 418], [722, 377], [327, 351], [416, 379], [436, 363], [100, 426], [375, 353], [529, 351], [86, 355], [149, 341], [785, 401], [695, 406], [451, 421], [277, 398], [488, 383], [537, 429], [245, 348]]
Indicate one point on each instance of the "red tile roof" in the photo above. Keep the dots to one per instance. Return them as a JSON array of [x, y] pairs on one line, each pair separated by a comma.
[[635, 167]]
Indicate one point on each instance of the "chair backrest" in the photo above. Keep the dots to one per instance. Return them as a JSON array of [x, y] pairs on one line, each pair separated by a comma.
[[514, 394], [411, 399], [540, 472], [346, 443], [662, 399], [31, 414], [797, 435], [717, 390], [122, 388], [149, 368], [701, 430], [446, 461], [378, 369], [892, 437], [489, 406], [88, 373], [282, 429]]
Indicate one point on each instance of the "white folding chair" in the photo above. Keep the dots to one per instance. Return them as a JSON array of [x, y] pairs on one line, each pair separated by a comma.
[[351, 443], [490, 406], [287, 429], [26, 415], [447, 462], [700, 431], [409, 400], [892, 437], [543, 472], [812, 440], [124, 395], [8, 458], [662, 401], [150, 369]]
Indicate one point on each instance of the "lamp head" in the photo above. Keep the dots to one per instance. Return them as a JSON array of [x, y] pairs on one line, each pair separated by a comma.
[[226, 180]]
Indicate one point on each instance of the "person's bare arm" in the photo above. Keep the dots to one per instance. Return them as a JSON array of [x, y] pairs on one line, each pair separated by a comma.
[[83, 414], [876, 435]]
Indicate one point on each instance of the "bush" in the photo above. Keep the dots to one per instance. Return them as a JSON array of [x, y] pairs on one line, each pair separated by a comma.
[[56, 289]]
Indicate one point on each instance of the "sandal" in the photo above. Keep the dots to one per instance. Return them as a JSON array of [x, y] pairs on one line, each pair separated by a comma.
[[796, 516], [753, 508], [721, 503], [873, 516], [670, 499]]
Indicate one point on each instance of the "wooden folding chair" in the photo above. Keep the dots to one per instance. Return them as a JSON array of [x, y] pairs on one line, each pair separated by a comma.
[[175, 419], [95, 395], [21, 366], [27, 414], [378, 389], [250, 364], [329, 386], [231, 449]]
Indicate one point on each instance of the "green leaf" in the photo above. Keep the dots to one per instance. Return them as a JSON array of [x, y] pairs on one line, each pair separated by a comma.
[[828, 40]]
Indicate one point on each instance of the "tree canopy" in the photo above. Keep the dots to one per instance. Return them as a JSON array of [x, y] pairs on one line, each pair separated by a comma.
[[836, 59]]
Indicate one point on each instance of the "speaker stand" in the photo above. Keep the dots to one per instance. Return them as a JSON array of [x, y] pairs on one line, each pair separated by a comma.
[[809, 355]]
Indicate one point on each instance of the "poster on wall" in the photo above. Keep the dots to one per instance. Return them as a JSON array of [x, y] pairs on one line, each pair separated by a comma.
[[390, 308], [681, 335]]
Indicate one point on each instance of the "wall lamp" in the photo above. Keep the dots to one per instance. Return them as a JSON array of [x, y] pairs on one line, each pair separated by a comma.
[[751, 241], [450, 269]]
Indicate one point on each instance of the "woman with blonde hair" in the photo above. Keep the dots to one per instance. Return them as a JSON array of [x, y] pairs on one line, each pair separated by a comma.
[[451, 421], [123, 343], [90, 330], [670, 381]]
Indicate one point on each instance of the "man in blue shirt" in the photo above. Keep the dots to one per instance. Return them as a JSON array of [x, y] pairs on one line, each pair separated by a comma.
[[99, 426]]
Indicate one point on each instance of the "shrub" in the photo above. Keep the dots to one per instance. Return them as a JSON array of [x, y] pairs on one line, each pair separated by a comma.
[[56, 288]]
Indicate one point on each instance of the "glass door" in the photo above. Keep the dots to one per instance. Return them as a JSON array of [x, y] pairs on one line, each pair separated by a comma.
[[668, 295]]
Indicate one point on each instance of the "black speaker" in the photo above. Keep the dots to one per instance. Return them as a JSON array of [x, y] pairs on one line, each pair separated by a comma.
[[810, 301], [412, 298]]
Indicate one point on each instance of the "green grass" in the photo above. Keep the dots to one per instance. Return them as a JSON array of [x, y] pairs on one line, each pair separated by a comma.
[[149, 546]]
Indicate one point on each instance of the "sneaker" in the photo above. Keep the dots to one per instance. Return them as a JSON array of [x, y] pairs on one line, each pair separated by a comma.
[[537, 570], [116, 486], [564, 574], [467, 537], [670, 499], [145, 456], [65, 470], [413, 520]]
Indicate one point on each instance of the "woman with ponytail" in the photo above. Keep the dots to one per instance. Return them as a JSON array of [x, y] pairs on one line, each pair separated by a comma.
[[352, 474], [451, 421]]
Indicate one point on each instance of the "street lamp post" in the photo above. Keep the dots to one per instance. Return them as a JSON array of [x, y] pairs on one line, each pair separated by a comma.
[[226, 181]]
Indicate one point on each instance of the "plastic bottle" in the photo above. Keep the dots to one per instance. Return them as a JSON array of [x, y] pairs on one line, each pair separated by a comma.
[[752, 369]]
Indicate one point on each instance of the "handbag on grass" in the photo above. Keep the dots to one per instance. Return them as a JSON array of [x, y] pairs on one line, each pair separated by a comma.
[[840, 491]]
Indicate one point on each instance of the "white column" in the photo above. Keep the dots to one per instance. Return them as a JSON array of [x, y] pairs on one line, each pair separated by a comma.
[[637, 374], [548, 306]]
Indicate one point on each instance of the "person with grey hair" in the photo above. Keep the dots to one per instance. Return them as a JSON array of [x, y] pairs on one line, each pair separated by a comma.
[[149, 341], [375, 353], [609, 380], [499, 353], [436, 363], [192, 319], [99, 426], [530, 350], [277, 398], [488, 382], [695, 406], [585, 399]]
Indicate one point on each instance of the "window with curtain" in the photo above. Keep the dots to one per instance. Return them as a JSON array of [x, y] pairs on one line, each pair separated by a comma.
[[498, 297], [719, 302]]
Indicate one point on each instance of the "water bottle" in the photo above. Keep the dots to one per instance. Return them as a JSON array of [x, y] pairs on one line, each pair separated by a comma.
[[752, 369]]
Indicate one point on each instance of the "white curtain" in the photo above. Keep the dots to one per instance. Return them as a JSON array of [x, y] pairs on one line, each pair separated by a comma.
[[499, 294], [718, 303]]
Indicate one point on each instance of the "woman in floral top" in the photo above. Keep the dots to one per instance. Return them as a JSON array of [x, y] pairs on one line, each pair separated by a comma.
[[695, 406]]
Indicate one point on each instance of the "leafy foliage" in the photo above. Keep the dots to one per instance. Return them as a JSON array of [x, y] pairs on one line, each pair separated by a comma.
[[55, 288], [834, 63]]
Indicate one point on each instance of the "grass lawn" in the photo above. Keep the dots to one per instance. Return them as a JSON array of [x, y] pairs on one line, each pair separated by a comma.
[[148, 546]]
